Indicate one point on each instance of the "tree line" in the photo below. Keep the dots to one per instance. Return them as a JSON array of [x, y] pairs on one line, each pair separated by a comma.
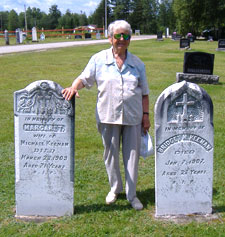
[[149, 16]]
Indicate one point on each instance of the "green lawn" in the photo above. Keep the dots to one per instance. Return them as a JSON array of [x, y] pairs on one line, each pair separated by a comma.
[[92, 217]]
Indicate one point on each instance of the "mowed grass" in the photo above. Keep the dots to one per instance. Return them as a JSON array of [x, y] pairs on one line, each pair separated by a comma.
[[92, 216]]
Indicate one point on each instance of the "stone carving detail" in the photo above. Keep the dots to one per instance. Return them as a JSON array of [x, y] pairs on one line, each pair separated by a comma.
[[184, 109], [43, 100]]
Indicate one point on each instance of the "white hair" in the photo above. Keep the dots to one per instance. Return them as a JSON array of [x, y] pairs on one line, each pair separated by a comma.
[[119, 24]]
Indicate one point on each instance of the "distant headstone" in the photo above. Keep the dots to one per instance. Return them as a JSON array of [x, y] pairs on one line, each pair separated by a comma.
[[176, 36], [6, 34], [18, 36], [184, 139], [87, 36], [184, 43], [198, 68], [98, 36], [221, 45], [42, 36], [44, 151], [137, 32], [34, 34], [191, 38], [21, 36], [78, 36], [160, 36]]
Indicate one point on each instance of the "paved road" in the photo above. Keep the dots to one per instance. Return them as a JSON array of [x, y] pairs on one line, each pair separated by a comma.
[[37, 47]]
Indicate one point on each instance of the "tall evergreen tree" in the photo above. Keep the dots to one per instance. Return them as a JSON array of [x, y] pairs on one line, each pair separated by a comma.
[[13, 20]]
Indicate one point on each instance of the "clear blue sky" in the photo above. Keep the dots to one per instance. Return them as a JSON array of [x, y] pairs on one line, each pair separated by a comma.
[[75, 6]]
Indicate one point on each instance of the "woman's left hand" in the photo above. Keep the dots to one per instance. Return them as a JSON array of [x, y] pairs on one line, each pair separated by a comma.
[[145, 123]]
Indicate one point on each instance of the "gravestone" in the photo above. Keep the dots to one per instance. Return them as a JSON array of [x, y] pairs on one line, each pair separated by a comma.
[[87, 36], [6, 34], [18, 36], [160, 36], [221, 45], [184, 43], [44, 151], [98, 35], [137, 32], [42, 36], [176, 36], [184, 140], [198, 68], [78, 36], [34, 34]]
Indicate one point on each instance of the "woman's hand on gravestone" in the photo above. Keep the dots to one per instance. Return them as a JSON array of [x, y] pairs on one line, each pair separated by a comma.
[[69, 92]]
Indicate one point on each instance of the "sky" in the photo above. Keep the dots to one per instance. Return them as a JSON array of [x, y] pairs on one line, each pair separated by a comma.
[[75, 6]]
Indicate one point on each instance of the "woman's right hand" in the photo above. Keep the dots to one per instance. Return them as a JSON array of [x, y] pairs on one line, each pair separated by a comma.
[[69, 92]]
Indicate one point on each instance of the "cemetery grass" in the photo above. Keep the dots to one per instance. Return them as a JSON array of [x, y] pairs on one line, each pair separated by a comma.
[[92, 216]]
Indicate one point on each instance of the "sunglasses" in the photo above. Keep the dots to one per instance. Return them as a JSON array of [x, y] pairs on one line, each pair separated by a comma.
[[125, 36]]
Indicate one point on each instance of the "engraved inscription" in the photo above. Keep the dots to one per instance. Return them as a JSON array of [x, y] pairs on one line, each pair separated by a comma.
[[184, 138]]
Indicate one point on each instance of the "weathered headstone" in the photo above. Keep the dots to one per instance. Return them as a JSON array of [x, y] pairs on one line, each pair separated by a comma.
[[221, 45], [184, 139], [18, 36], [160, 36], [44, 151], [98, 36], [6, 34], [198, 68], [184, 43], [137, 32], [42, 36], [34, 34]]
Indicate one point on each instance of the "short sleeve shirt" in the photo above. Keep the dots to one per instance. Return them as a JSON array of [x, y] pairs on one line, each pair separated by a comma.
[[119, 99]]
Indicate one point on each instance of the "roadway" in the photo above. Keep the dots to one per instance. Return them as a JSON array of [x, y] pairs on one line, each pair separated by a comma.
[[45, 46]]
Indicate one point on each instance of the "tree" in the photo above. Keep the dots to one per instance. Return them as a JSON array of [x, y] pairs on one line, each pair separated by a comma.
[[13, 21], [54, 15], [166, 16], [4, 20]]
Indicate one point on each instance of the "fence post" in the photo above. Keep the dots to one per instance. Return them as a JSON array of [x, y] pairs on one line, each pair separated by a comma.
[[6, 37]]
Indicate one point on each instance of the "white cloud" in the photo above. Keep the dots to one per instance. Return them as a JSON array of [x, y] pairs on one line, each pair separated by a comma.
[[91, 4]]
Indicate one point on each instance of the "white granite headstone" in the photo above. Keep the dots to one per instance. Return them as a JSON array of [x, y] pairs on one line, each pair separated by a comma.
[[184, 138], [34, 34], [44, 151]]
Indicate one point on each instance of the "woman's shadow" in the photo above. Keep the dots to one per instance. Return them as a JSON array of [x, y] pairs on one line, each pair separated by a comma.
[[146, 197]]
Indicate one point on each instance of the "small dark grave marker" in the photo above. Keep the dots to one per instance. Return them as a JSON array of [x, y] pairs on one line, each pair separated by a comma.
[[87, 36], [160, 36], [184, 43], [78, 37], [221, 44]]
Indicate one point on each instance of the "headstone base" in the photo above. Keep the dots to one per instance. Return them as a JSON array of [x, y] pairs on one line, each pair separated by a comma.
[[197, 78], [36, 219], [220, 49], [185, 219]]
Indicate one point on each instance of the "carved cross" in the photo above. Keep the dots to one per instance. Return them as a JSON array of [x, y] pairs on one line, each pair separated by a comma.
[[185, 103]]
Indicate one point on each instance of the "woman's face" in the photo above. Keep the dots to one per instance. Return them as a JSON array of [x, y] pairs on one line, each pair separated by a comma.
[[120, 44]]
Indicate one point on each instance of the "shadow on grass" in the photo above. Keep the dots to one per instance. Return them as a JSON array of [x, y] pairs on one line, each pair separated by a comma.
[[146, 197]]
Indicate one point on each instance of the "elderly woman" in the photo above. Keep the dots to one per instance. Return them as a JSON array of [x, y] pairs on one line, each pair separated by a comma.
[[122, 107]]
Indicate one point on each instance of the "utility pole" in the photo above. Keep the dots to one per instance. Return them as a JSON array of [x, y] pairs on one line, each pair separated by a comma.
[[25, 15], [106, 34]]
